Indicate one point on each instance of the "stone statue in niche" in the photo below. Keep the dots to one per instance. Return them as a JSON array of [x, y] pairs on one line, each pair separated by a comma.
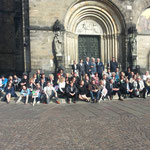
[[133, 44], [132, 33], [58, 43]]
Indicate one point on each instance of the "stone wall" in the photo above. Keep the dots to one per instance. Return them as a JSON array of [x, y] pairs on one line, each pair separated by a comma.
[[143, 51], [43, 14], [11, 53]]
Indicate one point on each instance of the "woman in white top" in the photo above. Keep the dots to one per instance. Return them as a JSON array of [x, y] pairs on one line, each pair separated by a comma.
[[146, 76], [61, 87]]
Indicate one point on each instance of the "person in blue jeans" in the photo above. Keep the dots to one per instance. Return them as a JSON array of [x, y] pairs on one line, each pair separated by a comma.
[[94, 91], [25, 92], [36, 94]]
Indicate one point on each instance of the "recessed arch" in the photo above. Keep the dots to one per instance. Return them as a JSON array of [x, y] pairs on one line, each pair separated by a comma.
[[107, 16]]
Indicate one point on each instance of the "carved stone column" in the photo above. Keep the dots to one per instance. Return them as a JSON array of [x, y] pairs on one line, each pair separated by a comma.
[[105, 51], [102, 49]]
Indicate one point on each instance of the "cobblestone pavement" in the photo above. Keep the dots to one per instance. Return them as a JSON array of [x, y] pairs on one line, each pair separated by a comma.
[[112, 125]]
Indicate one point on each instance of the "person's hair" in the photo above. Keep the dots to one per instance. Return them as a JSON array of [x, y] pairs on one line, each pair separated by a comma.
[[113, 73], [24, 86], [34, 74], [38, 84], [42, 73], [10, 77], [69, 75], [48, 82], [81, 81], [31, 79], [101, 81], [92, 80], [61, 79], [70, 82], [9, 83], [51, 75]]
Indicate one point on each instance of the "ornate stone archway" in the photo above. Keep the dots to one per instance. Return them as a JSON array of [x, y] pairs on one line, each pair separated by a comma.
[[95, 18]]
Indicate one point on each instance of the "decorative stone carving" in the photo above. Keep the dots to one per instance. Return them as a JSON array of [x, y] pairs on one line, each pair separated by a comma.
[[58, 43], [133, 44], [58, 26], [89, 27]]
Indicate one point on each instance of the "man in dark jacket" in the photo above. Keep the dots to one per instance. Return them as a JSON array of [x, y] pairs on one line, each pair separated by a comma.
[[81, 69], [113, 89], [128, 88], [100, 68], [71, 92], [87, 65], [128, 73], [74, 67], [24, 80], [113, 65]]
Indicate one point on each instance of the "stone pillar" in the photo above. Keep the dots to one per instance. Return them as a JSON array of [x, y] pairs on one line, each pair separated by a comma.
[[108, 48], [105, 51], [113, 45], [102, 49], [116, 46], [26, 35]]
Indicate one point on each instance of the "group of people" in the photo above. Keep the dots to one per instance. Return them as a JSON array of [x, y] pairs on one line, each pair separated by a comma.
[[88, 81]]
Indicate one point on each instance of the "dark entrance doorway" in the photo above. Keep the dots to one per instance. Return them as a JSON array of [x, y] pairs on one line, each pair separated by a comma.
[[88, 46]]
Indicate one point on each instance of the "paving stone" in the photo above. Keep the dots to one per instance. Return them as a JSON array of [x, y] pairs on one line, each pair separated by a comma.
[[111, 125]]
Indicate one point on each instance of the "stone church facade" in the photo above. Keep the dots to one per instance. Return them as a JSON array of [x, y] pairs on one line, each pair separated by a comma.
[[46, 34]]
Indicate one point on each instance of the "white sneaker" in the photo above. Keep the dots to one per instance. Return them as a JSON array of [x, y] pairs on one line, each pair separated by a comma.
[[33, 103], [146, 94], [38, 102], [100, 100]]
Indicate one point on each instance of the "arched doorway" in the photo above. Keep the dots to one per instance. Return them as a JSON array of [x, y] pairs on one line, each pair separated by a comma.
[[94, 20]]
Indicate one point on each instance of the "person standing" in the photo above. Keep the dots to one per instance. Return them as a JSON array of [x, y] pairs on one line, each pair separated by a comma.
[[87, 65], [113, 64], [100, 68], [93, 67], [81, 69], [74, 67]]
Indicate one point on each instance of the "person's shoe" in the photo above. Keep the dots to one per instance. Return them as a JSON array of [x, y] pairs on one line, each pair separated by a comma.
[[57, 102], [38, 102], [74, 102], [120, 99], [16, 101], [33, 103], [100, 100], [92, 101], [69, 101], [8, 102]]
